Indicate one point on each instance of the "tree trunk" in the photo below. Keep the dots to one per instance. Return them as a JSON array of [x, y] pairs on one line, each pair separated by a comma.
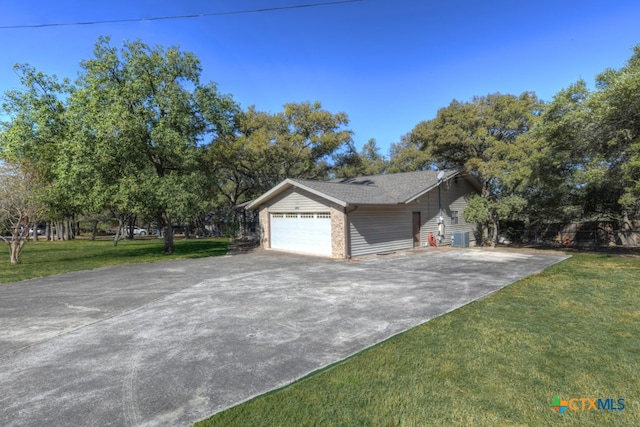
[[130, 224], [69, 229], [168, 235], [34, 237], [16, 249], [117, 236], [494, 238], [625, 229], [94, 230]]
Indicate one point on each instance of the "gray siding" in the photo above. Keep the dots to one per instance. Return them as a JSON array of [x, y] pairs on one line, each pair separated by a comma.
[[429, 220], [386, 229], [457, 196], [454, 197], [377, 230], [297, 200]]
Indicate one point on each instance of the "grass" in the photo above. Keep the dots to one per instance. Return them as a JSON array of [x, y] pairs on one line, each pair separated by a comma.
[[45, 258], [571, 331]]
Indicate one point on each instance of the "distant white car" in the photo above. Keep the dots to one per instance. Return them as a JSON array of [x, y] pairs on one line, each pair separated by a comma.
[[137, 231], [140, 231]]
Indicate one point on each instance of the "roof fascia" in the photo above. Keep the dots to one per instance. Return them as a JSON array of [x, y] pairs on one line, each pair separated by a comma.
[[426, 190]]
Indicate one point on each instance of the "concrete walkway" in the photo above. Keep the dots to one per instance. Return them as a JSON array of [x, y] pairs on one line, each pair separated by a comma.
[[171, 343]]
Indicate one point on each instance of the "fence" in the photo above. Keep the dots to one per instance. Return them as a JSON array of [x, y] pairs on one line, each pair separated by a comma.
[[597, 234]]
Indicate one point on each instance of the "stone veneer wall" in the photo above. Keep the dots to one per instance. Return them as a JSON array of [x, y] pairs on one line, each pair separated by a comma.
[[338, 237], [265, 232]]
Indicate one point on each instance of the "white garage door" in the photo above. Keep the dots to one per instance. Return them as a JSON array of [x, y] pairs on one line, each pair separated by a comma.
[[302, 232]]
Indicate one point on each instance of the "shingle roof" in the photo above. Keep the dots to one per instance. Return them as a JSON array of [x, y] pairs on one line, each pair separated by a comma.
[[402, 187], [352, 193], [389, 189]]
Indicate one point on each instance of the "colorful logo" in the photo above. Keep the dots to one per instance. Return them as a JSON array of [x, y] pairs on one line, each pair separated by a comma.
[[586, 404], [559, 405]]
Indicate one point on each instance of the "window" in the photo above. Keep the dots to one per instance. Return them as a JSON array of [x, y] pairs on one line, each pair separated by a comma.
[[308, 215], [454, 217]]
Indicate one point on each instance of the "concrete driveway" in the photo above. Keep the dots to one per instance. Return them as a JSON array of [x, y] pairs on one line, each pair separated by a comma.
[[173, 342]]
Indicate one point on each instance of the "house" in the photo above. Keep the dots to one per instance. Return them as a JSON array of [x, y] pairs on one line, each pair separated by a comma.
[[366, 215]]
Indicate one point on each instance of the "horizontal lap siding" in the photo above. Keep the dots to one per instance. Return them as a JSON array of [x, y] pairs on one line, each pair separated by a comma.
[[297, 200], [380, 230], [429, 221], [455, 197]]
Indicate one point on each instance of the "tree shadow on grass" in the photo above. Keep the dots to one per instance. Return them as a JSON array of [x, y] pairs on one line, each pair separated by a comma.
[[53, 258], [188, 248], [130, 253]]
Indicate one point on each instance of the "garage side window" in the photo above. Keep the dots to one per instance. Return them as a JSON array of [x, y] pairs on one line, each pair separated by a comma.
[[454, 217]]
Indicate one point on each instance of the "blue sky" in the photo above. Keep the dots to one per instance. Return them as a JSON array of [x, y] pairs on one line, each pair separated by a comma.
[[387, 64]]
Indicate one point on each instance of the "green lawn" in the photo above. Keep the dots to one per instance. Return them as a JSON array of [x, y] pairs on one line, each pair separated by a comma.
[[572, 331], [43, 258]]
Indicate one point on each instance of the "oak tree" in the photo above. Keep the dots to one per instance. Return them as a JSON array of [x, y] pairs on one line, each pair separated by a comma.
[[482, 136], [141, 115]]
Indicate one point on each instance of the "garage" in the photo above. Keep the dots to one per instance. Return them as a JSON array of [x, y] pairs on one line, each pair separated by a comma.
[[305, 232], [364, 215]]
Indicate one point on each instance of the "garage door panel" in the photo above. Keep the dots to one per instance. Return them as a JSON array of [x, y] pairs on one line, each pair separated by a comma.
[[302, 232]]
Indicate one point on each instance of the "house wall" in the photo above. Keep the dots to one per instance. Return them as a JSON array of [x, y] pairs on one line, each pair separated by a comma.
[[338, 232], [390, 228], [376, 230], [297, 200], [265, 228], [453, 197]]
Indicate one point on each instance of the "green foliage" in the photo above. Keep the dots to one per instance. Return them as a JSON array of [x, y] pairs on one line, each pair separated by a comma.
[[557, 150], [139, 135], [478, 210], [590, 143], [616, 137], [33, 137], [408, 155], [369, 161], [484, 136], [141, 114], [300, 142]]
